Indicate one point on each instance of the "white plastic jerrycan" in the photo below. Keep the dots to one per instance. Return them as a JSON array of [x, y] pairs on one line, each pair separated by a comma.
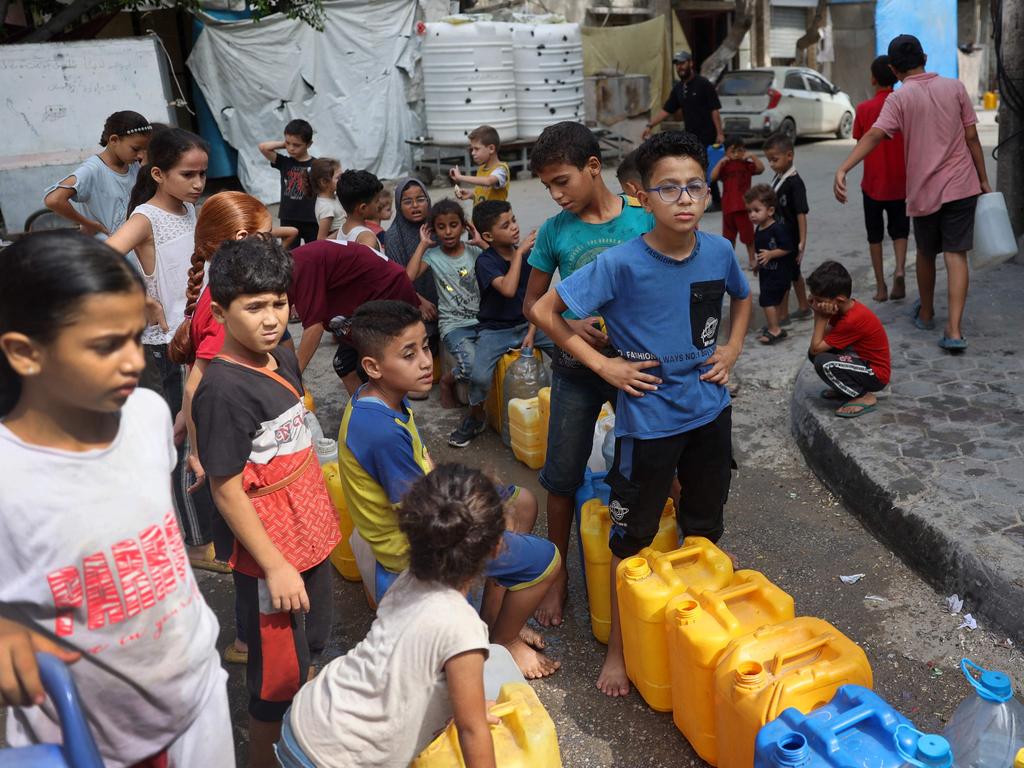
[[994, 242]]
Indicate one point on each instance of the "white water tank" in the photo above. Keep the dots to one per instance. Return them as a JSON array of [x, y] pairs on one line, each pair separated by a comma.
[[549, 75], [468, 79]]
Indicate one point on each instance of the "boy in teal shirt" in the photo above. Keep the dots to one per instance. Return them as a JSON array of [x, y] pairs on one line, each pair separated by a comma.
[[567, 159]]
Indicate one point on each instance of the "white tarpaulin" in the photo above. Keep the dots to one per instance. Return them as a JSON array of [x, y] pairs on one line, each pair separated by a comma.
[[355, 82]]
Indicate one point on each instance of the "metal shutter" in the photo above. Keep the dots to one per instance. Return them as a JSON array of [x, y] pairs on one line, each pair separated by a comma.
[[788, 26]]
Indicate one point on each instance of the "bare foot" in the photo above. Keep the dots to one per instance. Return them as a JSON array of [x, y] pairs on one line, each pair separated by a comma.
[[882, 293], [449, 398], [549, 612], [613, 680], [532, 637], [533, 664]]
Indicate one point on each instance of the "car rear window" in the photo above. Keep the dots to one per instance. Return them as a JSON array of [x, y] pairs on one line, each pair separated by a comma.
[[745, 83]]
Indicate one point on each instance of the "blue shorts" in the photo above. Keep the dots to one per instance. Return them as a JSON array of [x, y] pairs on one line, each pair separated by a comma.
[[576, 400]]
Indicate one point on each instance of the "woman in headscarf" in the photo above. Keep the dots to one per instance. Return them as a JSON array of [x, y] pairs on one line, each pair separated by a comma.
[[412, 203]]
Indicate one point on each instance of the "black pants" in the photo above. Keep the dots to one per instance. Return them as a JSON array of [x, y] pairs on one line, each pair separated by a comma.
[[307, 230], [846, 373], [641, 480], [282, 645]]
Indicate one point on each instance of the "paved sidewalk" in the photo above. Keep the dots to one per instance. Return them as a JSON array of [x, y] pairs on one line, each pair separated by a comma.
[[937, 472]]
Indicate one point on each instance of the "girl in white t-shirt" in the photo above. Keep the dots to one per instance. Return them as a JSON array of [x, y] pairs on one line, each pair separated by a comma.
[[323, 177], [422, 662], [92, 564]]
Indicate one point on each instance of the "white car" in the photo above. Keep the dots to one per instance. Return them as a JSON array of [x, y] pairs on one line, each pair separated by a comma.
[[795, 101]]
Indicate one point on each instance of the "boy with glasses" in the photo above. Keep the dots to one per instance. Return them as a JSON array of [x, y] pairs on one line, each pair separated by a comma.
[[661, 295]]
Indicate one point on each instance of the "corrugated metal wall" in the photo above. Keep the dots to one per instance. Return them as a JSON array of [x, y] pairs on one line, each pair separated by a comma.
[[788, 26]]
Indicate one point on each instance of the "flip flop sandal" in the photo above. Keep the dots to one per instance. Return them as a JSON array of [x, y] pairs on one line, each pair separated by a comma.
[[232, 655], [802, 314], [769, 339], [899, 287], [209, 563], [953, 345], [831, 394], [861, 410]]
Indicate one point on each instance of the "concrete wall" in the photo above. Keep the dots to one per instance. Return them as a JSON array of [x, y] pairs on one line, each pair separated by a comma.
[[853, 30], [573, 10]]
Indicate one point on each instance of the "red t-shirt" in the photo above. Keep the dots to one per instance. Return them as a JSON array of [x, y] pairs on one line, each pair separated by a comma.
[[735, 177], [861, 329], [207, 334], [885, 169], [331, 278]]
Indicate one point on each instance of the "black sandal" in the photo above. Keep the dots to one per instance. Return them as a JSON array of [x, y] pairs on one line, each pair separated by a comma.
[[768, 338]]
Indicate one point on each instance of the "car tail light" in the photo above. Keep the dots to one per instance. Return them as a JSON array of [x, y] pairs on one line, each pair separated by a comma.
[[773, 98]]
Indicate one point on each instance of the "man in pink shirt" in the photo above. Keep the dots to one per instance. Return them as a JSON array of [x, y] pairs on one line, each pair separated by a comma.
[[945, 175]]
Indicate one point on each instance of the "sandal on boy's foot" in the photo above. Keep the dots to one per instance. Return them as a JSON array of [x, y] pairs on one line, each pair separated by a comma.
[[769, 338], [469, 429], [802, 314], [233, 655], [899, 287], [861, 410], [831, 394], [208, 561], [921, 325], [953, 345]]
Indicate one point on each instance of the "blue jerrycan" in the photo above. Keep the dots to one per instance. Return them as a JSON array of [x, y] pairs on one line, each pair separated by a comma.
[[79, 749], [987, 729]]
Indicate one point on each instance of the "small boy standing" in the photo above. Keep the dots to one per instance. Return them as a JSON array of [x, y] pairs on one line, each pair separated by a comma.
[[502, 274], [298, 200], [266, 481], [359, 193], [661, 297], [492, 175], [381, 455], [735, 170], [774, 249], [884, 186], [567, 159], [792, 213], [849, 346]]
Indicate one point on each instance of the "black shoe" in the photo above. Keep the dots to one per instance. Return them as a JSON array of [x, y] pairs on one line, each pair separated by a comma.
[[469, 429]]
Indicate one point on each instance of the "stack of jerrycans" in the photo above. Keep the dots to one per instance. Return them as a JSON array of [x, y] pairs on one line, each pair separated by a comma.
[[527, 432], [645, 584], [341, 558], [525, 737], [594, 528]]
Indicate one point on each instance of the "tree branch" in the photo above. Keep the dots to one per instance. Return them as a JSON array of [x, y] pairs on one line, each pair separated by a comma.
[[742, 20], [56, 23], [812, 36]]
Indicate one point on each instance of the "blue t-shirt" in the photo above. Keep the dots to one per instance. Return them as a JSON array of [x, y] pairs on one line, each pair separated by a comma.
[[657, 308], [497, 311], [567, 243]]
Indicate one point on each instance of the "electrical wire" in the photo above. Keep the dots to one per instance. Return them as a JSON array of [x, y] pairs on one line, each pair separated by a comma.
[[181, 101], [1009, 93]]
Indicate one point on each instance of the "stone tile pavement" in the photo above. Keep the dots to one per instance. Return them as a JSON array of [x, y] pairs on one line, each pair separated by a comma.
[[937, 471]]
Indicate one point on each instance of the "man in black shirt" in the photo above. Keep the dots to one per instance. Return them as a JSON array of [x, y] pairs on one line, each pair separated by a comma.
[[697, 97]]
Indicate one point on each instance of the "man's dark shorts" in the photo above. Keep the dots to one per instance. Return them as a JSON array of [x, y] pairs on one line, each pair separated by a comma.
[[949, 230]]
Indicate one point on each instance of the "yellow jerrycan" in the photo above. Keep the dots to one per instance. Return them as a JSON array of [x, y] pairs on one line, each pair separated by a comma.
[[699, 626], [595, 528], [308, 402], [341, 557], [645, 584], [525, 738], [799, 663], [544, 406], [525, 431]]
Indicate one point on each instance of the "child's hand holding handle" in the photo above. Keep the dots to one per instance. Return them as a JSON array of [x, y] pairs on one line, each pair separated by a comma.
[[19, 673]]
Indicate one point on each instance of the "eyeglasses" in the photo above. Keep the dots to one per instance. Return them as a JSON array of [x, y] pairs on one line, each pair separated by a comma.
[[673, 193], [414, 200]]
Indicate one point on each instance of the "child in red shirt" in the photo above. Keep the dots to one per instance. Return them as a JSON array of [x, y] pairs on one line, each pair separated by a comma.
[[849, 347], [735, 171], [884, 185]]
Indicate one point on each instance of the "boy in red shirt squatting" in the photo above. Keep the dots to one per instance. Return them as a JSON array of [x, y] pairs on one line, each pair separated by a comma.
[[849, 348], [266, 481], [884, 186], [735, 171]]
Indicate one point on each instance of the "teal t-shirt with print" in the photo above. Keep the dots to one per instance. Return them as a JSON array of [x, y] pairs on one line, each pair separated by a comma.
[[566, 243], [458, 296]]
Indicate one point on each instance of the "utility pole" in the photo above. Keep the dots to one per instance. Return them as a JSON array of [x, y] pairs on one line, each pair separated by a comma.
[[1010, 168]]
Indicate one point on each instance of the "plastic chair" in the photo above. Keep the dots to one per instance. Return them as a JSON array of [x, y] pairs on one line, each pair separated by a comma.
[[79, 749], [46, 219]]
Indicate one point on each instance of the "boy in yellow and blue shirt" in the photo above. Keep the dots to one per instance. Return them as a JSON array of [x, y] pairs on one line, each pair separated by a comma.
[[381, 455], [492, 176]]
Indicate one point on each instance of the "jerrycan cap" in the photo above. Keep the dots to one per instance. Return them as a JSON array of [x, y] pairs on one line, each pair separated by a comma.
[[636, 568], [925, 750], [791, 750], [990, 685]]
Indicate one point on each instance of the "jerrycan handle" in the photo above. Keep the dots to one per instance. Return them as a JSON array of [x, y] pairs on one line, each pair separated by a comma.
[[791, 653], [665, 565], [938, 743], [992, 686]]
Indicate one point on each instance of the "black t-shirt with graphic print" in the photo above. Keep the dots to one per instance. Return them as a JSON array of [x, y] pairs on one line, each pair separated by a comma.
[[298, 203]]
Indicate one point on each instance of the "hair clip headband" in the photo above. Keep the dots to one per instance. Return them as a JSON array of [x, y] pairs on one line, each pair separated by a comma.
[[142, 129]]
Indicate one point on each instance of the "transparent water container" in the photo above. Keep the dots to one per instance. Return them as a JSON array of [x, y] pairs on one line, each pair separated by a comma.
[[523, 381], [994, 242], [987, 729]]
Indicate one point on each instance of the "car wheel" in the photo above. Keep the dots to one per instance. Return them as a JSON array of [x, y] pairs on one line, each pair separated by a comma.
[[845, 128], [788, 128]]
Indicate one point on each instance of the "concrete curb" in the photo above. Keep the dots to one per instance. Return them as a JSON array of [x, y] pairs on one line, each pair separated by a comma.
[[910, 516]]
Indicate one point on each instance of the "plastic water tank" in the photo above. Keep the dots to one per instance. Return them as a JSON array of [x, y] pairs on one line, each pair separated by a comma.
[[549, 74], [468, 79]]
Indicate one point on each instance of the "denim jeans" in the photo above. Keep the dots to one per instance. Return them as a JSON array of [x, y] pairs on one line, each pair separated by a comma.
[[461, 342], [491, 344]]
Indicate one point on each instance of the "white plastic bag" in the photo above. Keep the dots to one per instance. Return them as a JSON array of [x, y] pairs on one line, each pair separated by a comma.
[[597, 462]]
